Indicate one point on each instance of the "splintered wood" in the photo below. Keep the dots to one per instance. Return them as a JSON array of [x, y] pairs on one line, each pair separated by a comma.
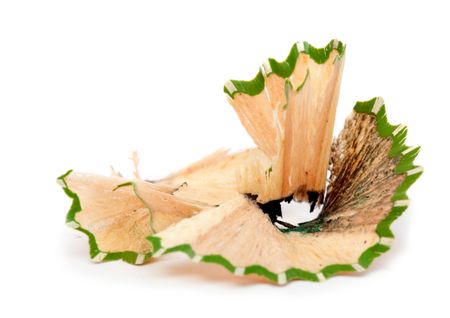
[[363, 176]]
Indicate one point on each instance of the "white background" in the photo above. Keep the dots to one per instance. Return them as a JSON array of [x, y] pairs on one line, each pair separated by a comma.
[[83, 83]]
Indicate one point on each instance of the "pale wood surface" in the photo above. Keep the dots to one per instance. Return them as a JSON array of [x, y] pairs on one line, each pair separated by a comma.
[[291, 121], [119, 219]]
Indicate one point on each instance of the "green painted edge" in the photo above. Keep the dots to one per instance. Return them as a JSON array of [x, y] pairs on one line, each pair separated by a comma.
[[405, 166], [283, 69], [95, 253]]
